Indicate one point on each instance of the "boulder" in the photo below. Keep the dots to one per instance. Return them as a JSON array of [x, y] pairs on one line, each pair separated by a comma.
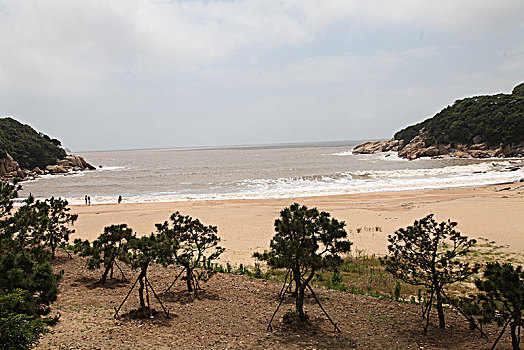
[[76, 162], [64, 162], [378, 146], [460, 154], [414, 149], [56, 169], [8, 166], [477, 139], [38, 171]]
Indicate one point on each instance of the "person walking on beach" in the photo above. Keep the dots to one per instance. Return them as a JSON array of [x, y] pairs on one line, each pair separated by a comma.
[[119, 199], [89, 200], [86, 199]]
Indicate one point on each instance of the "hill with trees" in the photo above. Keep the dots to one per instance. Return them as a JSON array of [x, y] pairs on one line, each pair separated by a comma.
[[480, 126], [28, 147], [26, 153]]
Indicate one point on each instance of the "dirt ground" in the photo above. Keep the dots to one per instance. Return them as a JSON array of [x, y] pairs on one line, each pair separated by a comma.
[[232, 312]]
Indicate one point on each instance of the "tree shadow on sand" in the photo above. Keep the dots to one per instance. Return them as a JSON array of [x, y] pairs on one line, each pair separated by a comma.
[[94, 283], [147, 315], [456, 336], [317, 332], [184, 297]]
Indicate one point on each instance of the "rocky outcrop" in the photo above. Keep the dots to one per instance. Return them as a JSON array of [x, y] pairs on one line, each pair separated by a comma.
[[378, 146], [10, 169], [417, 148], [76, 162]]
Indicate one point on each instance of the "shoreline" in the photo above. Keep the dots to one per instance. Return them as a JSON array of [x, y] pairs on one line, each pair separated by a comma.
[[246, 225]]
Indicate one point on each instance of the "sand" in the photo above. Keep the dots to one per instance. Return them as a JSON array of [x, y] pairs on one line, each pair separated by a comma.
[[494, 213]]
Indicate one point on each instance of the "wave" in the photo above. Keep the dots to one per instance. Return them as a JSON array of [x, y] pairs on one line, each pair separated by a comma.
[[351, 182]]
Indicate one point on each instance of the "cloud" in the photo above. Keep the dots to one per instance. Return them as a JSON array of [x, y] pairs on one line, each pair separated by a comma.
[[65, 47], [465, 17]]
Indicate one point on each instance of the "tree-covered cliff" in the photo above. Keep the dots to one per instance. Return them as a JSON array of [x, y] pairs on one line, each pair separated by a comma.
[[496, 120], [28, 147]]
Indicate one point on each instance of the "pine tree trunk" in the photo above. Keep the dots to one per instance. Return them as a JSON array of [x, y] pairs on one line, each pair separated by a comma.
[[514, 338], [189, 273], [106, 272], [141, 279], [440, 311], [300, 305]]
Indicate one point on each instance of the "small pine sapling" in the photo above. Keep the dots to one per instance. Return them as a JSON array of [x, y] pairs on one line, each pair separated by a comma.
[[195, 242], [106, 249], [432, 255], [306, 242], [56, 224], [501, 300], [140, 253]]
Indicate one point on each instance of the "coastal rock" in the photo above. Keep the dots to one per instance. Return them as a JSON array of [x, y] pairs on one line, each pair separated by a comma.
[[415, 149], [378, 146], [75, 162], [9, 167], [56, 169], [38, 171]]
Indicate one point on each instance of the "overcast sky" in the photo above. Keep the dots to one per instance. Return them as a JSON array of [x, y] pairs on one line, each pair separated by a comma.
[[137, 74]]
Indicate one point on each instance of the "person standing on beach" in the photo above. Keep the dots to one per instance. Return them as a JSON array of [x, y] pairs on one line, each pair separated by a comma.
[[86, 199], [89, 200], [119, 199]]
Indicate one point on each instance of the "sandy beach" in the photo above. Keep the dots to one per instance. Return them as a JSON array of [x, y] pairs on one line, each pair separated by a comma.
[[495, 213]]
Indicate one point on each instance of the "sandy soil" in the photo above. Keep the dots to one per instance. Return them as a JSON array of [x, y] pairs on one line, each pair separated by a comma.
[[233, 312], [245, 226]]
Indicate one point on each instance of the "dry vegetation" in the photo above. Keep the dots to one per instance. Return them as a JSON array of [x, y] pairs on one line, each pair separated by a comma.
[[233, 310]]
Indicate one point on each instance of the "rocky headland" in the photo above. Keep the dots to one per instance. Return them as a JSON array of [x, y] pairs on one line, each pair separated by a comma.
[[26, 153], [474, 127], [10, 169], [417, 148]]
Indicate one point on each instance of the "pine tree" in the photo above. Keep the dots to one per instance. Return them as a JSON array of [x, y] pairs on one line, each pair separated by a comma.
[[431, 255], [306, 241], [106, 249], [501, 299], [195, 243]]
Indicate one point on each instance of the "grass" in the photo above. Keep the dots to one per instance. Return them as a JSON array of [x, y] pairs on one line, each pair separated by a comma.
[[364, 274]]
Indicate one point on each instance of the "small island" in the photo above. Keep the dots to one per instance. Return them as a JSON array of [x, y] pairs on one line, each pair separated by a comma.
[[474, 127], [26, 153]]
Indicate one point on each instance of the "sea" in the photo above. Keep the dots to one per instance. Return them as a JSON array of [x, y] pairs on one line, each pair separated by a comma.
[[261, 171]]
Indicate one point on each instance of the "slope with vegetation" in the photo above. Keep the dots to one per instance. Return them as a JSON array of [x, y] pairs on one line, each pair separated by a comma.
[[28, 147], [480, 126], [26, 153]]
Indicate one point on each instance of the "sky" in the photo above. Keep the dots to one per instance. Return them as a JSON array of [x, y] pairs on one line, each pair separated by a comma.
[[128, 74]]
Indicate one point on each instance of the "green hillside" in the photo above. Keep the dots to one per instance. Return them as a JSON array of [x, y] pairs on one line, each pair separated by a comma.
[[28, 147], [497, 119]]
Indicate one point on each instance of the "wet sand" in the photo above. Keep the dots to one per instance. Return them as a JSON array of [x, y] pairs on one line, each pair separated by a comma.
[[246, 226]]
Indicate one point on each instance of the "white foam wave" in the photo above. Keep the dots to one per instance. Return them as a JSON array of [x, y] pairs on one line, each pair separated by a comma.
[[476, 174], [342, 154]]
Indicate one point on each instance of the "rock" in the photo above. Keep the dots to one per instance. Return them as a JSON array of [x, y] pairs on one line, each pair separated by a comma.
[[64, 163], [477, 139], [37, 171], [479, 153], [430, 152], [414, 149], [460, 154], [9, 167], [56, 169], [479, 146], [74, 161], [378, 146]]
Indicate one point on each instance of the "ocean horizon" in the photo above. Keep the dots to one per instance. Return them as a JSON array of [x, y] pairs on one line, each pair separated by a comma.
[[281, 170]]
